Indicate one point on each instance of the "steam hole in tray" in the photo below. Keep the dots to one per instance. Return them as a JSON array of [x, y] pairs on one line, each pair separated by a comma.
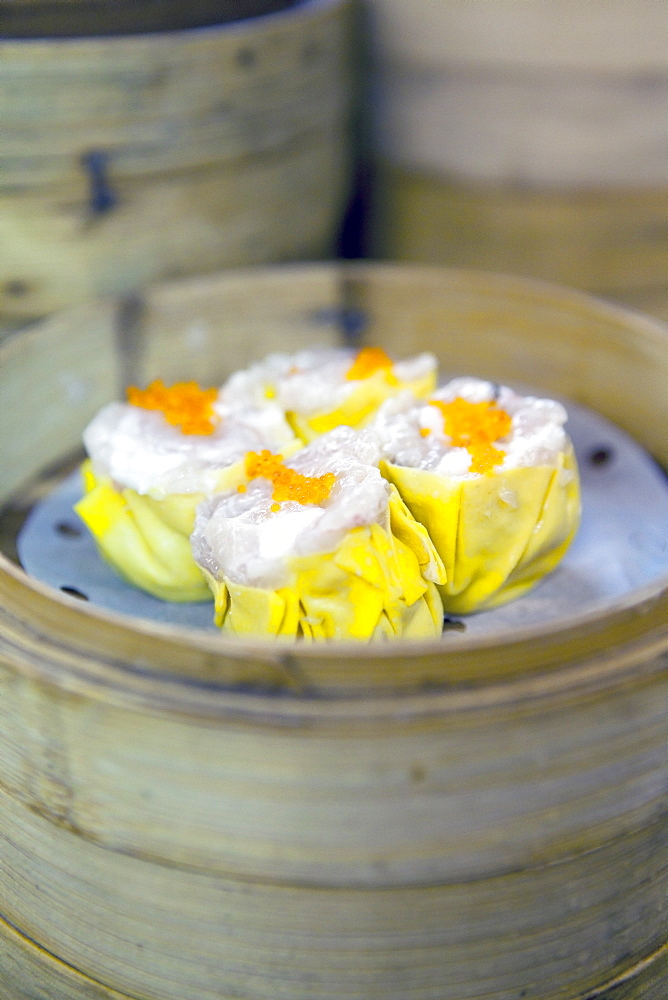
[[68, 530], [453, 625], [73, 592], [602, 455]]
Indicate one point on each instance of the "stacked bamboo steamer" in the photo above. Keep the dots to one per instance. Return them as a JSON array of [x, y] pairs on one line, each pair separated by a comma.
[[62, 18], [188, 817], [525, 137], [164, 147]]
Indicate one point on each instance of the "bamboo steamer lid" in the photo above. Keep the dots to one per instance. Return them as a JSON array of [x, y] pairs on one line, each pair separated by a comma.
[[133, 157], [185, 817], [527, 136]]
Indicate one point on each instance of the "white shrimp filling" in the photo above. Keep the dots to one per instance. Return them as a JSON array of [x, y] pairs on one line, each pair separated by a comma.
[[138, 449], [310, 381], [411, 432], [240, 537]]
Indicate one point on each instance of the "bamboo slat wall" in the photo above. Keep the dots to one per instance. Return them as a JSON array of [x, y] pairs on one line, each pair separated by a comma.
[[524, 137], [132, 157]]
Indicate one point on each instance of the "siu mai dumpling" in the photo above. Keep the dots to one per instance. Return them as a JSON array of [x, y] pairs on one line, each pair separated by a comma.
[[151, 460], [323, 389], [318, 547], [492, 475]]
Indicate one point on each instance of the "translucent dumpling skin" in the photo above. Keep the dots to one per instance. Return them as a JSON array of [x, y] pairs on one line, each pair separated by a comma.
[[499, 533]]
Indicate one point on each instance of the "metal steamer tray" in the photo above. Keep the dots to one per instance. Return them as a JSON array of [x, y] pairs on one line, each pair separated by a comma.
[[622, 544]]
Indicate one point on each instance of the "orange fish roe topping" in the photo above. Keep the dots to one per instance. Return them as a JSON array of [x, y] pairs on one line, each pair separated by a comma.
[[475, 426], [484, 457], [264, 463], [184, 405], [288, 483], [368, 361]]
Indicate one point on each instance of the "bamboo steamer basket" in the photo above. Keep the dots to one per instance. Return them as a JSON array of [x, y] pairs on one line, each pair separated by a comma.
[[188, 817], [62, 18], [134, 157], [525, 137]]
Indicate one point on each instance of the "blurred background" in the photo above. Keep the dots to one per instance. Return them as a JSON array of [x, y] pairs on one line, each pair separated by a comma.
[[143, 140]]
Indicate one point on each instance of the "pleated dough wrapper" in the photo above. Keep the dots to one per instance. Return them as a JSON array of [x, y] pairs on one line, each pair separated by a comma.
[[494, 550], [373, 585], [498, 532], [147, 540], [339, 557]]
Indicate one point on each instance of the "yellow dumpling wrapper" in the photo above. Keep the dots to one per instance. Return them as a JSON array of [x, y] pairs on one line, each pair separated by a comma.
[[360, 406], [373, 585], [147, 539], [497, 533]]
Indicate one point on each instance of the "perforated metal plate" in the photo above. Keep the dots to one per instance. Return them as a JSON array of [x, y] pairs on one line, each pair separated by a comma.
[[622, 544]]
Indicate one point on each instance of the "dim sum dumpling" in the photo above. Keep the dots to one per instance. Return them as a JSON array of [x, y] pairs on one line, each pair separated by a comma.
[[319, 547], [151, 460], [492, 475], [322, 389]]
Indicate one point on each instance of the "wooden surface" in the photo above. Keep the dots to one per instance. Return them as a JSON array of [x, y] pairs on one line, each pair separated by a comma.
[[608, 242], [184, 817], [38, 976], [528, 130], [595, 36], [559, 95], [129, 158], [68, 18], [527, 138]]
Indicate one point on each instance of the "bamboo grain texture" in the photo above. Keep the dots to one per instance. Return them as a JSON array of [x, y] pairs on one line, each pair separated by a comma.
[[129, 158], [596, 36], [610, 243], [526, 140]]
